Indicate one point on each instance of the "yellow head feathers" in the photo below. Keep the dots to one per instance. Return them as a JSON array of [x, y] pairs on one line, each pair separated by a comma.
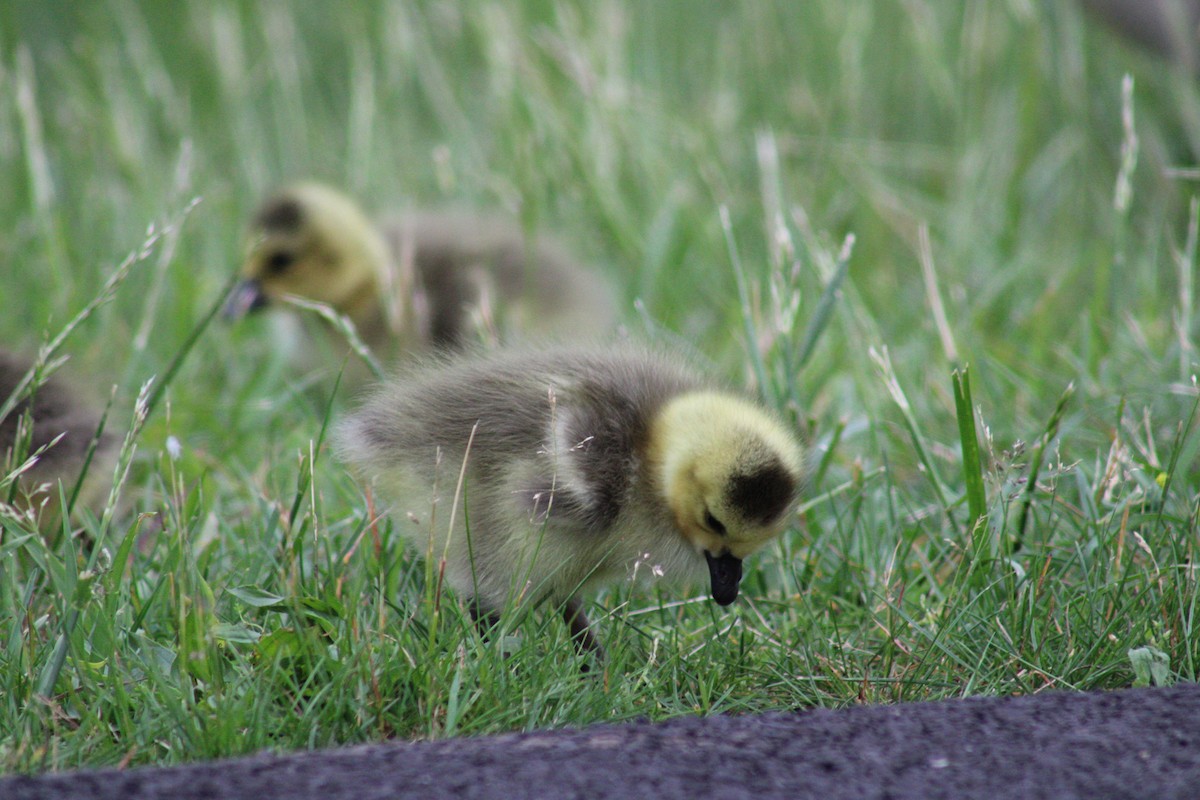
[[729, 473], [315, 242]]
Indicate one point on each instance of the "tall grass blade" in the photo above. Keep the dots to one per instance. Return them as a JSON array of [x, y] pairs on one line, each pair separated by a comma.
[[825, 305], [1035, 467], [972, 461], [750, 328], [883, 364]]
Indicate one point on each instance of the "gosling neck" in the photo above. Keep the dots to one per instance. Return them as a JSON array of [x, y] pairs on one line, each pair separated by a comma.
[[673, 445], [364, 302]]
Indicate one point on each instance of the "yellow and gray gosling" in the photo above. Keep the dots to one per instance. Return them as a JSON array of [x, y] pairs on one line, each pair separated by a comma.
[[57, 412], [419, 280], [582, 467]]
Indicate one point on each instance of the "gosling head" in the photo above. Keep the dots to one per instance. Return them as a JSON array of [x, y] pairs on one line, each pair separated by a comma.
[[315, 242], [730, 475]]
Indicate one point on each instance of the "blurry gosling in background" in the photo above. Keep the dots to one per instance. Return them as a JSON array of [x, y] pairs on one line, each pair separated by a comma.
[[56, 410], [420, 280], [583, 467]]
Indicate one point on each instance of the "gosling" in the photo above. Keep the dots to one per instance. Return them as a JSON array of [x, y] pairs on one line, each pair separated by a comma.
[[60, 438], [581, 467], [418, 281]]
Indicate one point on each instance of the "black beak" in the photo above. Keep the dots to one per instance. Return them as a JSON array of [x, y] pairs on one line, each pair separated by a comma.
[[726, 573], [247, 296]]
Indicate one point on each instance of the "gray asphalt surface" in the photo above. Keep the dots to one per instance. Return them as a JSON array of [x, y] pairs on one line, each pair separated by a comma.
[[1142, 743]]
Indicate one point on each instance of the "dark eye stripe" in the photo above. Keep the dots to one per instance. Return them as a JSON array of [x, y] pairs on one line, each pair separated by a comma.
[[714, 524]]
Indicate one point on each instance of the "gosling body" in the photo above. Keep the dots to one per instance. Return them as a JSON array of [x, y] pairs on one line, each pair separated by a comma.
[[419, 280], [63, 429], [581, 467]]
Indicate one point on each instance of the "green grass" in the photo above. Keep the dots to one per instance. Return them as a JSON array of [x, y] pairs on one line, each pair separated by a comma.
[[791, 188]]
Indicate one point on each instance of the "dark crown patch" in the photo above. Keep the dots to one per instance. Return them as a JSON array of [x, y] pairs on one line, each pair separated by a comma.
[[283, 216], [763, 494]]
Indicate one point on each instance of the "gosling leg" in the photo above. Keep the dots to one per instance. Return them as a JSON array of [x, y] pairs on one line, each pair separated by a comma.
[[485, 619], [581, 630]]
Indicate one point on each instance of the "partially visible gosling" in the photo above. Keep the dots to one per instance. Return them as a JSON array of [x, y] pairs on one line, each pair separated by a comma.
[[418, 280], [582, 467], [57, 410]]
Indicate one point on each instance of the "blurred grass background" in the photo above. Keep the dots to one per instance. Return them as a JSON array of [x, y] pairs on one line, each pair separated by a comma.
[[972, 151]]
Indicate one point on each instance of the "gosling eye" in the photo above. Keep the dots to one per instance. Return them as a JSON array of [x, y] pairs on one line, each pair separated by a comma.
[[279, 262], [714, 524]]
